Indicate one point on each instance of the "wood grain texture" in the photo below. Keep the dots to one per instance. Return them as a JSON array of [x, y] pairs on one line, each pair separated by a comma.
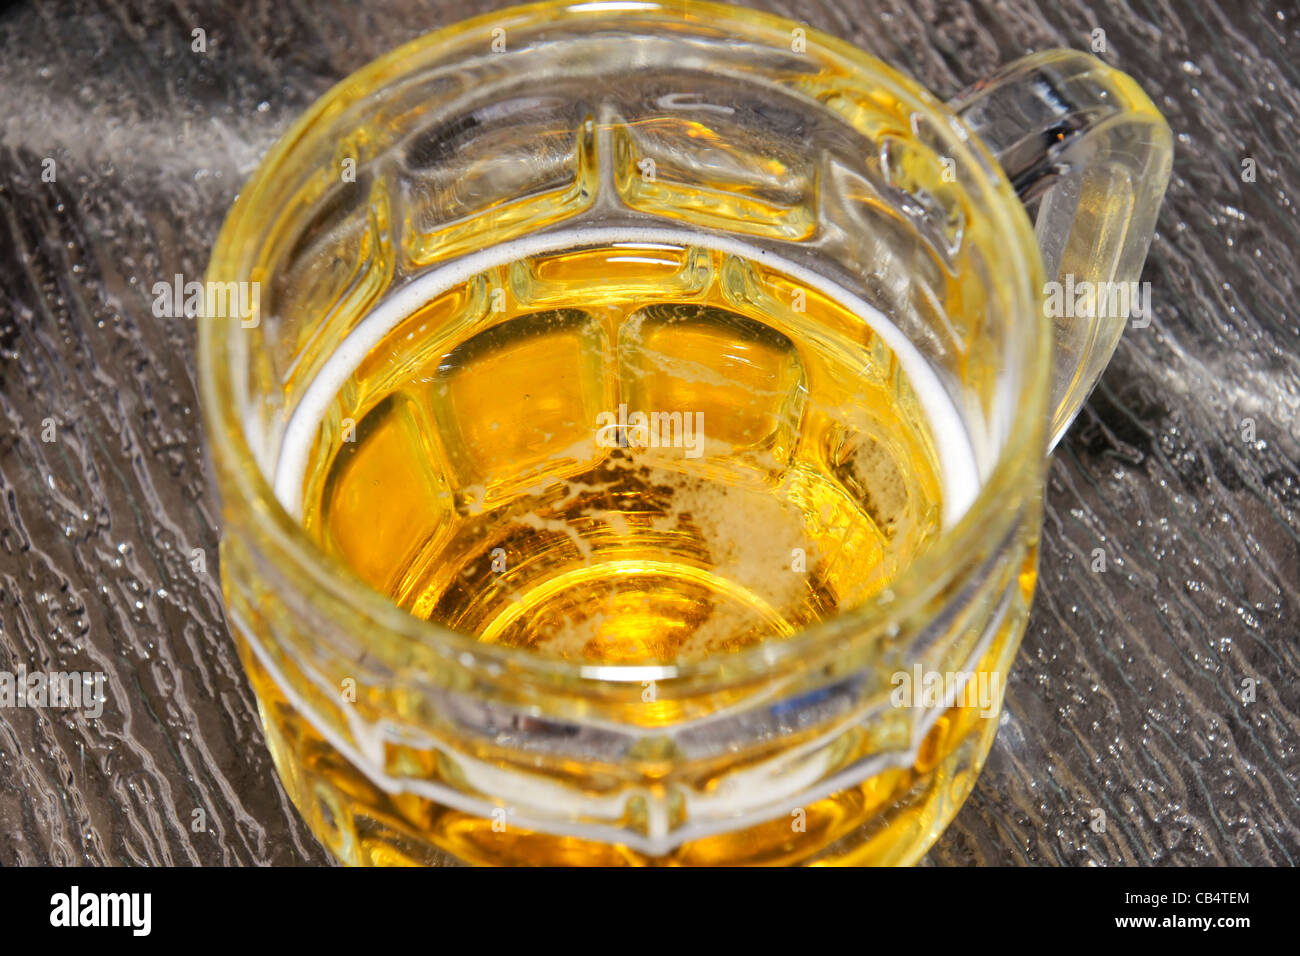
[[1128, 691]]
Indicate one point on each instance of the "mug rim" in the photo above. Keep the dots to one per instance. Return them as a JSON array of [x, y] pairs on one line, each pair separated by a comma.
[[288, 545]]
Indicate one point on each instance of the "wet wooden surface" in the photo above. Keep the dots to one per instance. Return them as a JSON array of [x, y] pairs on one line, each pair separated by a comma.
[[1129, 694]]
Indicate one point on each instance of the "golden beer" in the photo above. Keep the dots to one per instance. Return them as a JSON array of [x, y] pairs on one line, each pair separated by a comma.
[[628, 452], [633, 449]]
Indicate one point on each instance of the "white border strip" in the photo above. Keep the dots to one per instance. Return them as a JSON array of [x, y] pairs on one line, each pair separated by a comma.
[[957, 466]]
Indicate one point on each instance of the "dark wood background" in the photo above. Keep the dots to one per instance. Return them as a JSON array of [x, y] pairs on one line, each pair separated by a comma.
[[1127, 696]]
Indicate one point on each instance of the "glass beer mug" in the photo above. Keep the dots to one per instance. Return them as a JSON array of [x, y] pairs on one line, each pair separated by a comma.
[[636, 452]]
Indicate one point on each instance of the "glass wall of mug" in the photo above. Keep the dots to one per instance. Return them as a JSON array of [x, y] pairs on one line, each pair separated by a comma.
[[752, 157]]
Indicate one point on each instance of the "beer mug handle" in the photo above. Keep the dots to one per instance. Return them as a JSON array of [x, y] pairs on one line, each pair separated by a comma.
[[1084, 142]]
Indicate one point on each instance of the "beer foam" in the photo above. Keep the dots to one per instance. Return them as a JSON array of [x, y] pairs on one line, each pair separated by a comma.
[[959, 473]]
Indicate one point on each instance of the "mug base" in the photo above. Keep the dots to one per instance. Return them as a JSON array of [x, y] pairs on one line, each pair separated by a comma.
[[892, 818]]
